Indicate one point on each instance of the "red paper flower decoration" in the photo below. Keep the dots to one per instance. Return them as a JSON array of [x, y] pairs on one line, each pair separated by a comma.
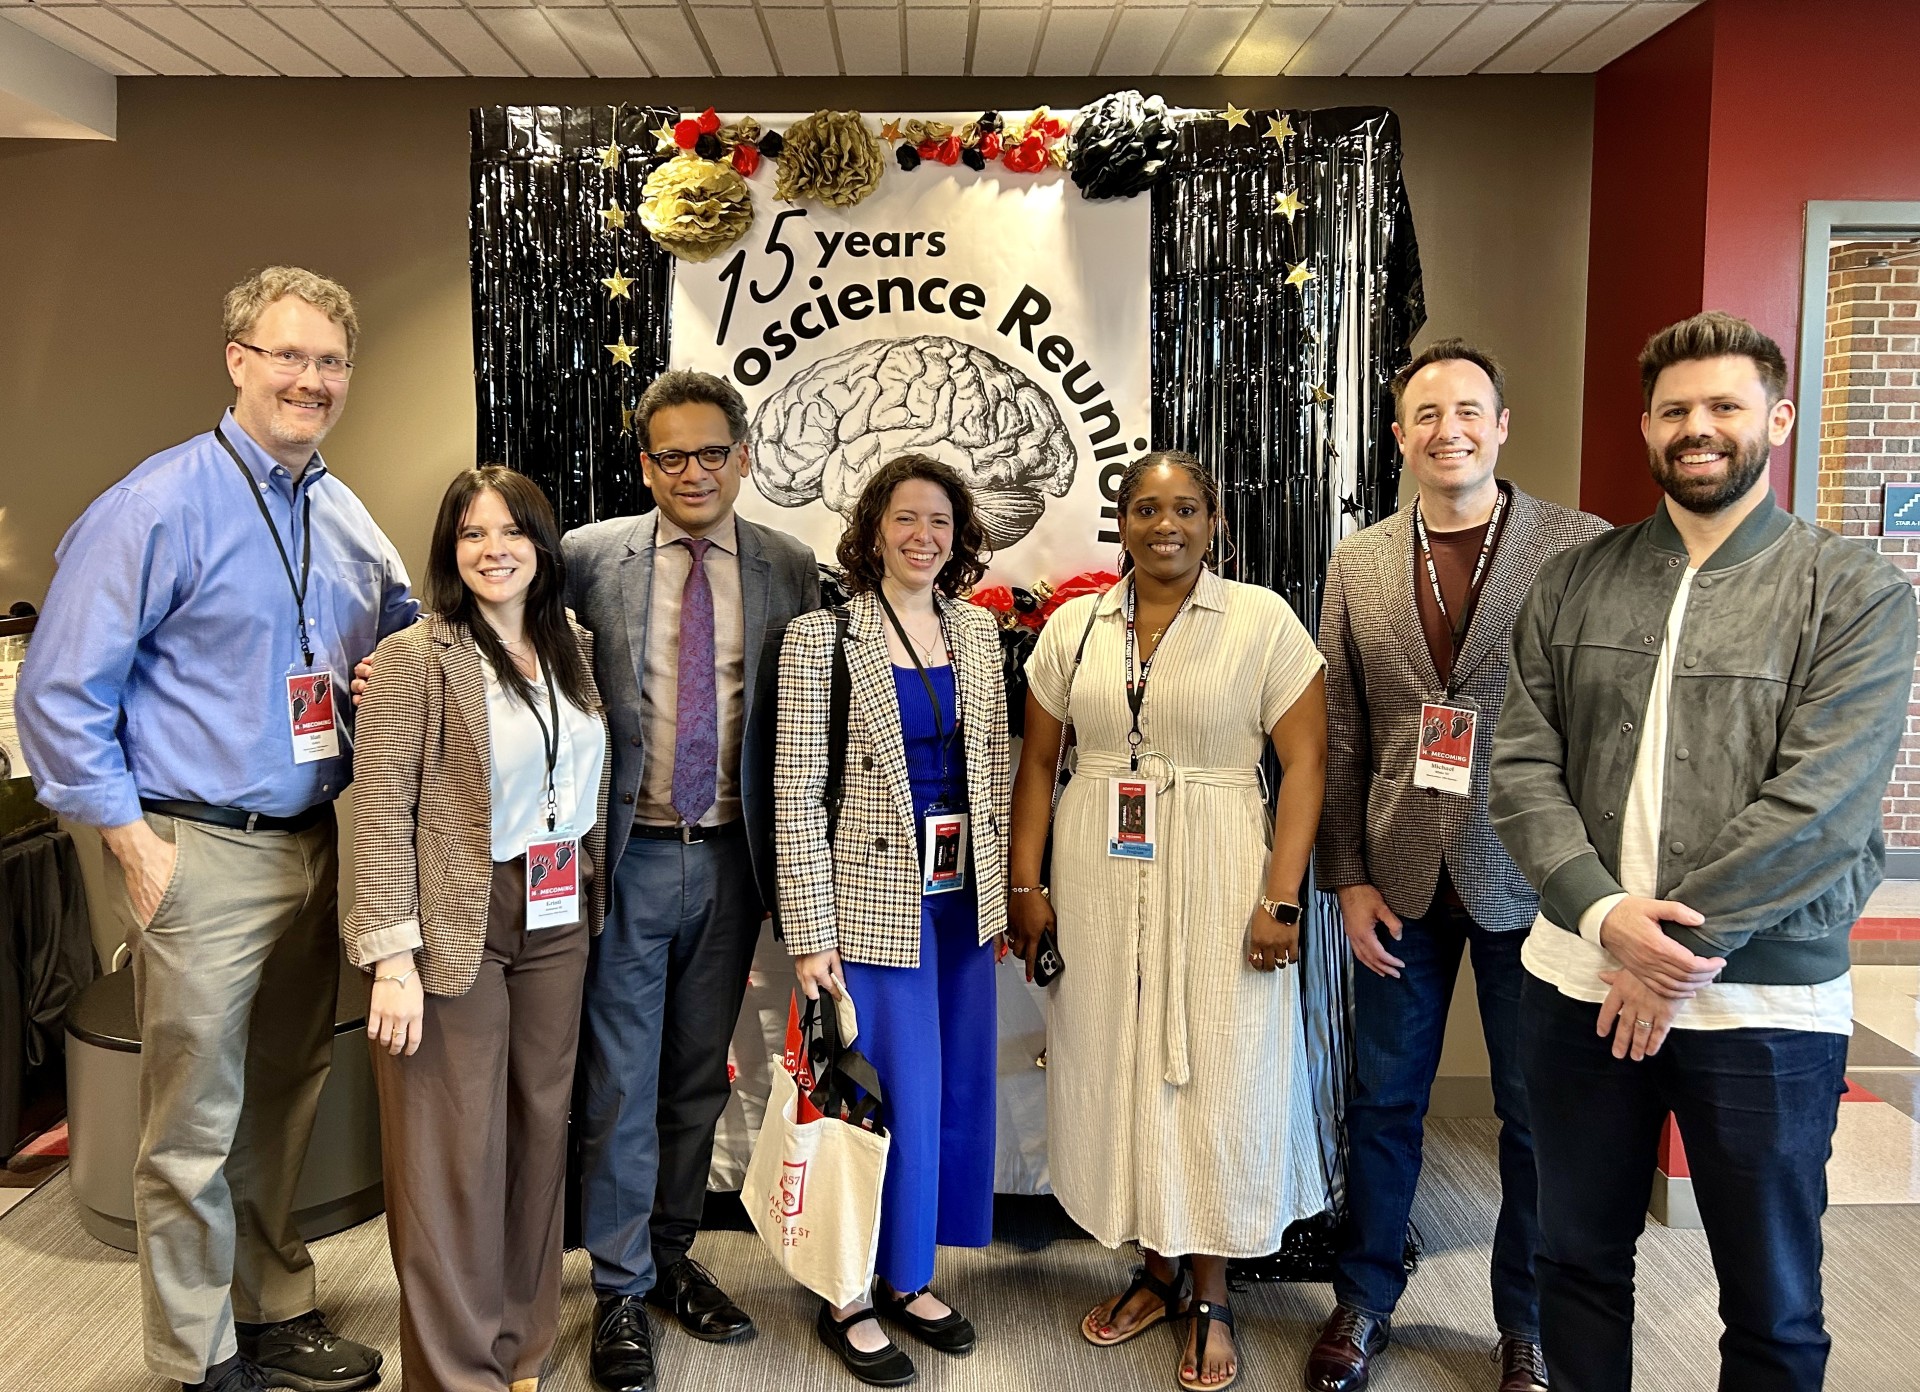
[[1088, 582], [686, 133], [948, 151], [928, 149], [995, 599], [990, 145], [746, 159], [708, 121]]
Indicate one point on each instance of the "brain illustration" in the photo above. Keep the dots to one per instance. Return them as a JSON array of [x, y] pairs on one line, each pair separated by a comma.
[[826, 432]]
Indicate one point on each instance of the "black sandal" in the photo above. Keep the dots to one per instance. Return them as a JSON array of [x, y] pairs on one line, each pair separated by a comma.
[[887, 1367], [1205, 1314], [951, 1333], [1168, 1293]]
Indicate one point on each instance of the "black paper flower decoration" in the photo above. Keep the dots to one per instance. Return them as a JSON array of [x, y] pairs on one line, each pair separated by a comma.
[[1120, 144], [907, 156]]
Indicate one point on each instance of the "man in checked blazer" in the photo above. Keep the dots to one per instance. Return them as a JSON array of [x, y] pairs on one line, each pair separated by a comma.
[[688, 605], [1416, 626]]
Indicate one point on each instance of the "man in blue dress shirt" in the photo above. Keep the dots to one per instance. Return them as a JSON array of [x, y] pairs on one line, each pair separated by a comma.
[[184, 692]]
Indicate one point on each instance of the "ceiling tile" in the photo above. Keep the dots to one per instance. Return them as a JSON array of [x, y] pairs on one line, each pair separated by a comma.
[[1409, 40], [330, 4], [1273, 39], [333, 41], [389, 34], [477, 4], [57, 31], [469, 45], [1139, 41], [1480, 38], [864, 5], [1551, 37], [1338, 42], [602, 44], [528, 36], [937, 42], [803, 42], [210, 47], [734, 39], [1072, 42], [666, 41], [255, 31], [1206, 41], [1003, 44], [1624, 32], [117, 31], [870, 41]]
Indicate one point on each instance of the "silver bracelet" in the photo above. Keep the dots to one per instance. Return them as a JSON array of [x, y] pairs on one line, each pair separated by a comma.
[[401, 979], [1041, 890]]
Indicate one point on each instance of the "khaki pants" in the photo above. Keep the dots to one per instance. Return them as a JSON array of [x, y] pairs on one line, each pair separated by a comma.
[[473, 1146], [235, 982]]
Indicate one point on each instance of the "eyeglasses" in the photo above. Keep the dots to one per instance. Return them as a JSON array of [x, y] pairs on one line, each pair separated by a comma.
[[289, 362], [713, 458]]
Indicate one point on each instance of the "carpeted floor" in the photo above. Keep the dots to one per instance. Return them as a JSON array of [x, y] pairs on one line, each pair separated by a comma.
[[69, 1307]]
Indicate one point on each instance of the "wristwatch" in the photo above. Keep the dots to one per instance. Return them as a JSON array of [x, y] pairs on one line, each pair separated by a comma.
[[1283, 913]]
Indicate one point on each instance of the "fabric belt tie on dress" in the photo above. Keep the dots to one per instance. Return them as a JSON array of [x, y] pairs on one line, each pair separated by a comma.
[[1169, 777]]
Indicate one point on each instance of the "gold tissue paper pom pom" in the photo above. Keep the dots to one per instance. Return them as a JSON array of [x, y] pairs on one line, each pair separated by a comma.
[[831, 156], [696, 208]]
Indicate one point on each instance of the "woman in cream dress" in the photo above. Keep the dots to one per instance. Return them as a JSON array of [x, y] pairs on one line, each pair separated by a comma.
[[1180, 1111]]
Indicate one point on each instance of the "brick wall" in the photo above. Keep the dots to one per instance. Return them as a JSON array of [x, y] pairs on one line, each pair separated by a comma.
[[1870, 436]]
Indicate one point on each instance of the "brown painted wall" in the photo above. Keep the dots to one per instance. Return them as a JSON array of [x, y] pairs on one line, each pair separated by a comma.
[[113, 258]]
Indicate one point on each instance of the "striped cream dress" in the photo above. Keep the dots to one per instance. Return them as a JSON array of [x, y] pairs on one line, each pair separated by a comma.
[[1179, 1106]]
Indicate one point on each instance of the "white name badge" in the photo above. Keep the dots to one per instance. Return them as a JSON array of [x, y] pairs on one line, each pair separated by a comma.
[[1131, 831], [553, 882], [1445, 760], [312, 717], [943, 853]]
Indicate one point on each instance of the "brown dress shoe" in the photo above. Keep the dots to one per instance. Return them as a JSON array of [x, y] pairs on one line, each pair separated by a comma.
[[1523, 1368], [1343, 1355]]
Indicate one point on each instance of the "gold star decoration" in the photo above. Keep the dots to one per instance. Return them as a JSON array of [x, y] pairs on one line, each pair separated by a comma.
[[617, 286], [610, 157], [663, 139], [1298, 274], [1235, 117], [622, 351], [1287, 204], [890, 132], [613, 217], [626, 420], [1321, 396], [1279, 128]]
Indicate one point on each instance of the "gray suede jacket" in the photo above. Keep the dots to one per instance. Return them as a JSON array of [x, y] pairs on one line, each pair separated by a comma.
[[1789, 699]]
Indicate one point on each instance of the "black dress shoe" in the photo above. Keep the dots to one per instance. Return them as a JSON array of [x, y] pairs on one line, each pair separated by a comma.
[[951, 1333], [886, 1367], [304, 1354], [1342, 1357], [688, 1290], [622, 1345]]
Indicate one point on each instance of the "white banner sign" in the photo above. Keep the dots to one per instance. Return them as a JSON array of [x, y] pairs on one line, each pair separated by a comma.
[[993, 320]]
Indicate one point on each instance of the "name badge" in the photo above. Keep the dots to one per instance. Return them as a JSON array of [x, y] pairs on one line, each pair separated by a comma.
[[1131, 831], [1445, 760], [312, 717], [943, 852], [553, 882]]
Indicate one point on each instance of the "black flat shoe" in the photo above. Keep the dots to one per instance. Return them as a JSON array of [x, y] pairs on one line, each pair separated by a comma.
[[688, 1290], [951, 1333], [887, 1367], [622, 1356]]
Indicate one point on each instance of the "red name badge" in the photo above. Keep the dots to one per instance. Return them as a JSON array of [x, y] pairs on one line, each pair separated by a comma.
[[1445, 760], [553, 882], [311, 717]]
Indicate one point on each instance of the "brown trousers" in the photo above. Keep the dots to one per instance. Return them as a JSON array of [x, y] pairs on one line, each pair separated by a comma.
[[473, 1148]]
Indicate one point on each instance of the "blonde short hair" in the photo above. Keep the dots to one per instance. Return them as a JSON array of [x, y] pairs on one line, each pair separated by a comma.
[[249, 299]]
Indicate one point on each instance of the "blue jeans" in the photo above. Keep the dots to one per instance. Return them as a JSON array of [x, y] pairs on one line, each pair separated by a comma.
[[1756, 1109], [1398, 1027]]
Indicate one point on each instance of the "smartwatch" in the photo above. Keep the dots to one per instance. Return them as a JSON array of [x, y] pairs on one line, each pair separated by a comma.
[[1283, 913]]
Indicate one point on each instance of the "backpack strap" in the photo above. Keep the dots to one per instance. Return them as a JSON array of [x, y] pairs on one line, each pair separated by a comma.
[[839, 707]]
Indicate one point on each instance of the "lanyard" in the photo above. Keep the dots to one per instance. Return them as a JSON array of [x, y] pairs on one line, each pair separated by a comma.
[[1137, 688], [550, 742], [299, 586], [940, 731], [1459, 627]]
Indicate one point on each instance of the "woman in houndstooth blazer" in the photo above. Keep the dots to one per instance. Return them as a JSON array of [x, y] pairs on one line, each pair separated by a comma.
[[898, 905]]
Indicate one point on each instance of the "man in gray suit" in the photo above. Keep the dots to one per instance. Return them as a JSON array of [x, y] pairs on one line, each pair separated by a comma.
[[1416, 627], [688, 605]]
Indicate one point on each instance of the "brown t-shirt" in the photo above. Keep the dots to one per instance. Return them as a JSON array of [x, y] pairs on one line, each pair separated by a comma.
[[1454, 556]]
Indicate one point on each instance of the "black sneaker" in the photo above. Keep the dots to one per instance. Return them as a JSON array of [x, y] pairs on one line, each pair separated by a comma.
[[233, 1375], [304, 1354]]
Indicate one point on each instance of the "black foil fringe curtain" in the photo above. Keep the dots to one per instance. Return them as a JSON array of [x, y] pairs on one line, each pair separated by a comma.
[[1279, 384], [542, 316], [1284, 390]]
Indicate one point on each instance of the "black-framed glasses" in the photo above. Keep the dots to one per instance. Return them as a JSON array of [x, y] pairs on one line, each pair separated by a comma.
[[713, 458], [291, 362]]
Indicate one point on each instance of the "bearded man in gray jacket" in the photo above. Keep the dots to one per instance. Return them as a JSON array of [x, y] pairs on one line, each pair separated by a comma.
[[1703, 713]]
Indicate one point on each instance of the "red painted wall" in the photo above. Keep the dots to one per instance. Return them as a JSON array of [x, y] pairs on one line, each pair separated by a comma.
[[1804, 101]]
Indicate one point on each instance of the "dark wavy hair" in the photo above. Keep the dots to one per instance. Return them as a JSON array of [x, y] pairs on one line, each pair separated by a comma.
[[1712, 334], [859, 550], [546, 621], [1123, 496]]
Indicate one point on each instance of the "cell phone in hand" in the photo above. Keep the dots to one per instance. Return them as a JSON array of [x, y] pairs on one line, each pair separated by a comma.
[[1048, 963]]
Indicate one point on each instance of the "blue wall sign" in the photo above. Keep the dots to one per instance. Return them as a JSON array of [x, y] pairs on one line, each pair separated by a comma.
[[1901, 516]]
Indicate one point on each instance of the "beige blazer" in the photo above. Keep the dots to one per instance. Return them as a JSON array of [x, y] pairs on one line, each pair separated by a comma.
[[423, 804]]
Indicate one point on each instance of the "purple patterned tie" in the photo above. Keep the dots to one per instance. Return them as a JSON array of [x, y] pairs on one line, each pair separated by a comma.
[[696, 738]]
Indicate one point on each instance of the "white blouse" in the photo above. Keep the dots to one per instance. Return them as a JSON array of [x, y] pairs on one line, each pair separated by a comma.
[[519, 768]]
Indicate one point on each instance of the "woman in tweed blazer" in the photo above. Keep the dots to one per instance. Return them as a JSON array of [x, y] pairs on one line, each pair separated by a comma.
[[480, 764], [868, 910]]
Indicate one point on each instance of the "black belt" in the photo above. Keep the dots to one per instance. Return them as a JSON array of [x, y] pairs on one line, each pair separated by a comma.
[[238, 819], [688, 835]]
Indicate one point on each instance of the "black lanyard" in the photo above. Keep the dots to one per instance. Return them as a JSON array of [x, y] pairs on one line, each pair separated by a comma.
[[550, 742], [1458, 627], [940, 732], [1137, 688], [299, 586]]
